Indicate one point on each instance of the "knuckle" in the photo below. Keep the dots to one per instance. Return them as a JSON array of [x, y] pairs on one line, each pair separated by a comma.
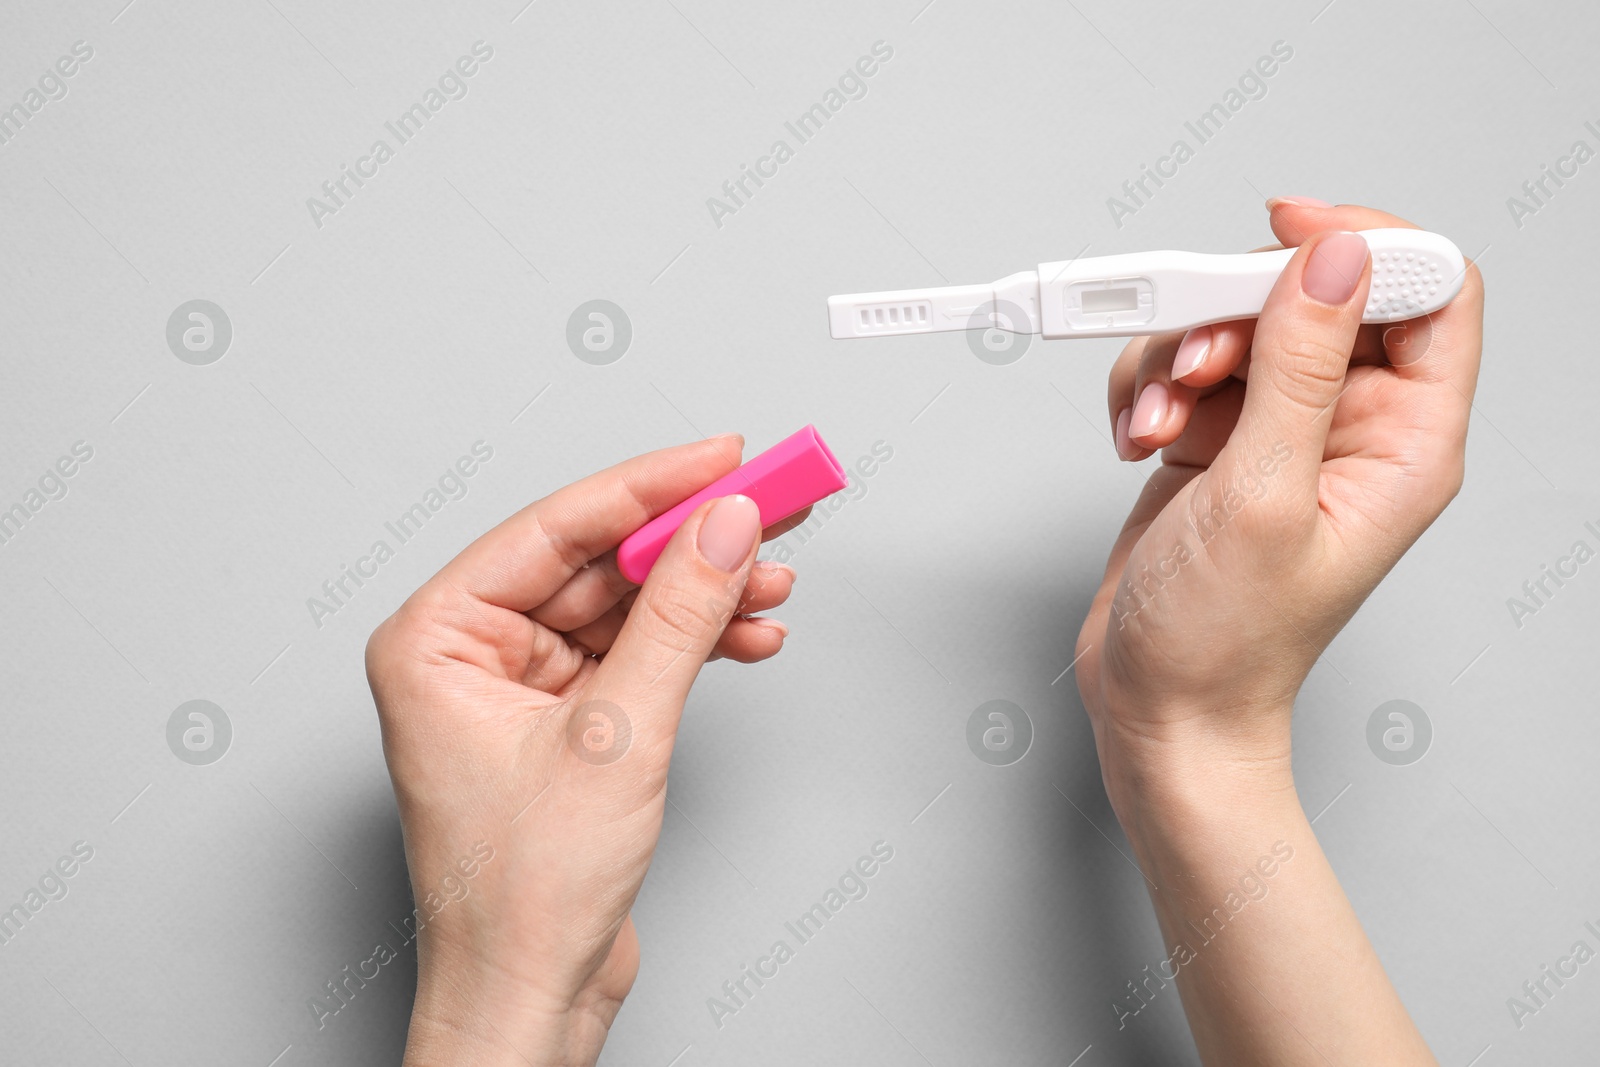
[[378, 649], [1156, 356], [676, 614], [386, 670], [1451, 477], [1436, 471], [1429, 478], [1309, 365], [391, 646], [385, 647], [542, 531]]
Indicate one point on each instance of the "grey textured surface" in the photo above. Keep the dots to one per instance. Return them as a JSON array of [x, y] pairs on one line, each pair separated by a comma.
[[431, 309]]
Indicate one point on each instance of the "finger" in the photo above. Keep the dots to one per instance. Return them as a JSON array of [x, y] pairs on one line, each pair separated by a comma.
[[1120, 386], [1210, 354], [524, 560], [588, 596], [1298, 362], [1439, 331], [1160, 406], [1445, 346], [1210, 426], [600, 586], [751, 640], [690, 596], [442, 621], [552, 662], [1213, 356], [1295, 219], [783, 526], [1127, 447], [769, 587]]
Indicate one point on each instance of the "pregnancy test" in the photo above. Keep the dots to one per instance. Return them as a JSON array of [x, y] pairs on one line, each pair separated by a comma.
[[1414, 273]]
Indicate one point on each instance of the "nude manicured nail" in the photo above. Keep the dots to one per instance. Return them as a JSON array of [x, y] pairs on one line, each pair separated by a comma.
[[1150, 411], [770, 569], [1192, 351], [728, 532], [1297, 201], [770, 624], [1334, 268], [1126, 449]]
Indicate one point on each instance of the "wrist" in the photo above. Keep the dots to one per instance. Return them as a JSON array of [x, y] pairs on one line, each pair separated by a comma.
[[459, 1020], [1201, 813], [1192, 775]]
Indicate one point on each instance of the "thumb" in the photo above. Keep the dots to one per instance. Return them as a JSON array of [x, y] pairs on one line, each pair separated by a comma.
[[1298, 361], [687, 601]]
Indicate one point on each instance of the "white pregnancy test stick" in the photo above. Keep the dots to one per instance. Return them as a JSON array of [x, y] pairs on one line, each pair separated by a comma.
[[1414, 273]]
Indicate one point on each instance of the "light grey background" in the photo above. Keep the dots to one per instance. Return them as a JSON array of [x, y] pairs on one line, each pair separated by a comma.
[[430, 312]]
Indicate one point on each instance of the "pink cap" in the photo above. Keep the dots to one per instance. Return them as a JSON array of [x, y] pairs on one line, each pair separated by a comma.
[[788, 477]]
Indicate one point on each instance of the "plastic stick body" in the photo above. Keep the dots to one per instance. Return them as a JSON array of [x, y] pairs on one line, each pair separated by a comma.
[[1414, 273], [788, 477]]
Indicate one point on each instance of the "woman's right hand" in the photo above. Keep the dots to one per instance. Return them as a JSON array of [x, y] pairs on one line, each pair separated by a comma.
[[1302, 454]]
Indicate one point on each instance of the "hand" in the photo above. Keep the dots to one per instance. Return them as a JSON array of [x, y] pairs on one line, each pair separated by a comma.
[[1302, 454], [529, 696]]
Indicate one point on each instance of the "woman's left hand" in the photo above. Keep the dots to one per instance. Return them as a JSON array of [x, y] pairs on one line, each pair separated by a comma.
[[529, 696]]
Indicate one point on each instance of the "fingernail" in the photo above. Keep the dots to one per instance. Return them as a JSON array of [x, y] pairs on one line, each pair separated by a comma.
[[770, 569], [1334, 269], [1150, 411], [771, 624], [1192, 351], [1297, 201], [728, 532], [1125, 447]]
